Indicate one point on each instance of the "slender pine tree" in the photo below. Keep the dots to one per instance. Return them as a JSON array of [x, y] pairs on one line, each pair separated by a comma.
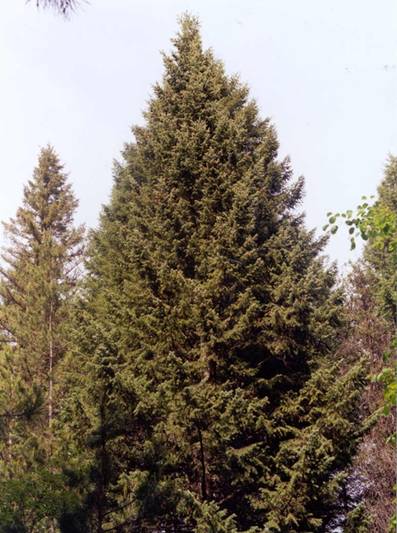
[[37, 280]]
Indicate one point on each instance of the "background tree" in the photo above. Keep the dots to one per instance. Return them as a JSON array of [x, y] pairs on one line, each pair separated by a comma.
[[379, 470], [37, 281], [381, 250], [373, 312]]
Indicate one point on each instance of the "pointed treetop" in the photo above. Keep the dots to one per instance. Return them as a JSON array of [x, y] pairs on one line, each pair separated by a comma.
[[189, 66], [47, 211], [189, 29]]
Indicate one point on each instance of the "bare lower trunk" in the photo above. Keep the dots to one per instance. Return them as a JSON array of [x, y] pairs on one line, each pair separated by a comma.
[[50, 388], [9, 442], [50, 371]]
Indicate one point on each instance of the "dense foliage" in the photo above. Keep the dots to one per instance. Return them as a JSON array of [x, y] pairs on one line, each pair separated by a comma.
[[208, 325], [195, 380]]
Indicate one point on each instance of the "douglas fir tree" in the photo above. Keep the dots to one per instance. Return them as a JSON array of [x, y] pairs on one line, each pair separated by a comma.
[[203, 392]]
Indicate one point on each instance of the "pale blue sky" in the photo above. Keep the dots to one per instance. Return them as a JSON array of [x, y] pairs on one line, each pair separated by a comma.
[[324, 71]]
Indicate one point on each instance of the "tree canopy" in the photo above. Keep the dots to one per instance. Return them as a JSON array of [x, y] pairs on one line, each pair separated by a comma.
[[208, 323], [203, 371]]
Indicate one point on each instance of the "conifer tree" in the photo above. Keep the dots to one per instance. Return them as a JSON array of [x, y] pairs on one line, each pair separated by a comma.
[[207, 327], [382, 259], [38, 279], [372, 311], [377, 293]]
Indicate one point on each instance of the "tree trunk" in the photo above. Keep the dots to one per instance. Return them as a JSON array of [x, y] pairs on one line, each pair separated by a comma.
[[50, 370]]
